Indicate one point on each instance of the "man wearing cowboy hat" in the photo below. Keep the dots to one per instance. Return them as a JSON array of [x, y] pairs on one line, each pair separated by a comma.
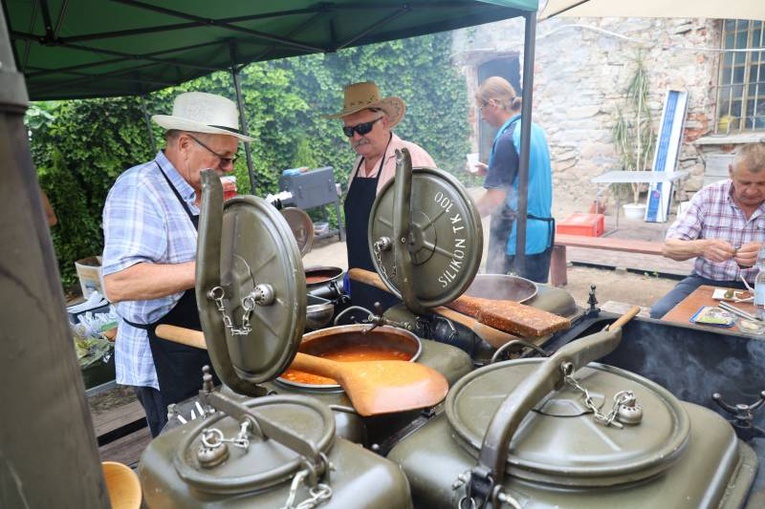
[[150, 224], [367, 122]]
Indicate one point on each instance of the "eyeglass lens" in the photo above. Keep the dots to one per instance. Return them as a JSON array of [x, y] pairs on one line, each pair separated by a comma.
[[362, 129], [224, 160]]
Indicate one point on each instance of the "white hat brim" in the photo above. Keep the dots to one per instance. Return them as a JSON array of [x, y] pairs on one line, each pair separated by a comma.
[[181, 124]]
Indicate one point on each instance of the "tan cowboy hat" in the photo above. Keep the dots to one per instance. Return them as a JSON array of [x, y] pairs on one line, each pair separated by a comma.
[[361, 96], [199, 112]]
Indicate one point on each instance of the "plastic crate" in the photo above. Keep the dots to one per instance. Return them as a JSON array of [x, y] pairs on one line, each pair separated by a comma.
[[587, 225]]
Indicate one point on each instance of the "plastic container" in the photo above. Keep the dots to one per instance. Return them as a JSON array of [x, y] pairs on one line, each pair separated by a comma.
[[748, 326], [588, 225], [89, 272], [320, 228], [229, 187]]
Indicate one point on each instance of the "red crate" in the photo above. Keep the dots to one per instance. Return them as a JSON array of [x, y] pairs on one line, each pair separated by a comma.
[[588, 225]]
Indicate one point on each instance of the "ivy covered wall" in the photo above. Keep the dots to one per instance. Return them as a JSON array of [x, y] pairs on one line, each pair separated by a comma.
[[80, 147]]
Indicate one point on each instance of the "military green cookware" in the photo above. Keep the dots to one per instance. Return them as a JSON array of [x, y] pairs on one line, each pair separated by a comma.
[[559, 432], [425, 236], [269, 451]]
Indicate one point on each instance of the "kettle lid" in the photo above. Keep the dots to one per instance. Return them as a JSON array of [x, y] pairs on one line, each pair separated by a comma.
[[425, 237], [250, 287], [559, 441]]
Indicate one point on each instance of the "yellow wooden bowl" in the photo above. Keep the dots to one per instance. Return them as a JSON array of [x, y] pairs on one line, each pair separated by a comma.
[[122, 484]]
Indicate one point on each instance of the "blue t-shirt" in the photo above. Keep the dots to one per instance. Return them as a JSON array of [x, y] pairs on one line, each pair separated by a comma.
[[503, 173]]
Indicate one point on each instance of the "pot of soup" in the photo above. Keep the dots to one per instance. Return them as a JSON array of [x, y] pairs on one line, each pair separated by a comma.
[[324, 282], [349, 343]]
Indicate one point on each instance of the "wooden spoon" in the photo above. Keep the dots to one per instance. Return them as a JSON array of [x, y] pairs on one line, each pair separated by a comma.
[[374, 387]]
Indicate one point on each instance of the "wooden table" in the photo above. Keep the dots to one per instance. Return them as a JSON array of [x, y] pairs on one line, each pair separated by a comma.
[[702, 296]]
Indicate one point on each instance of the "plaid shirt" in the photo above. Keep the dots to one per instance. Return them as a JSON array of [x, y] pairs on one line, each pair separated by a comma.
[[713, 215], [145, 223]]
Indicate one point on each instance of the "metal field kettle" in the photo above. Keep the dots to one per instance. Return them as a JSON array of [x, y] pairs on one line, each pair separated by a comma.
[[567, 432], [250, 449], [426, 243]]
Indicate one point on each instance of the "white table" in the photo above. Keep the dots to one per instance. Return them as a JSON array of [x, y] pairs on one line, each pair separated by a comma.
[[635, 177]]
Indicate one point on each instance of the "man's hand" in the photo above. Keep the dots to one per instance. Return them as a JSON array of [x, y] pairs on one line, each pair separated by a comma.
[[718, 250], [479, 169], [746, 255]]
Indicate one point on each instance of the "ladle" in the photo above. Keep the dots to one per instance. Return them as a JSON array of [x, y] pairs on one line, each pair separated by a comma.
[[374, 387]]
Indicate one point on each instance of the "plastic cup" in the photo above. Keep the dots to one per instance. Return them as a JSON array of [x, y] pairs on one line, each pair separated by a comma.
[[472, 162]]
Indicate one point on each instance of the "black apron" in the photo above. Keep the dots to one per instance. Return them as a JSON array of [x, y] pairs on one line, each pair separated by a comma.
[[357, 207], [179, 367]]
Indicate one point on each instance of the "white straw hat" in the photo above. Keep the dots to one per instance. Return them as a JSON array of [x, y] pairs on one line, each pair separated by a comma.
[[199, 112], [365, 95]]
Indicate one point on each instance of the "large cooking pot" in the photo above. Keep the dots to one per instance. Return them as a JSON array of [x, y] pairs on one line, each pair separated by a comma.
[[349, 343], [324, 282], [533, 432], [292, 458], [502, 287], [318, 312]]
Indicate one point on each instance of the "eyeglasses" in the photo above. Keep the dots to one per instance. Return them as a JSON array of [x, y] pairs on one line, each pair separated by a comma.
[[224, 160], [484, 104], [362, 129]]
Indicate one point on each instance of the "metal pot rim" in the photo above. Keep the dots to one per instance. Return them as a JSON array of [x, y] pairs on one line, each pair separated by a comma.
[[317, 335]]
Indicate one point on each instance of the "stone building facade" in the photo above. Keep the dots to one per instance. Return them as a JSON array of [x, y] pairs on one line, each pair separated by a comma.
[[582, 68]]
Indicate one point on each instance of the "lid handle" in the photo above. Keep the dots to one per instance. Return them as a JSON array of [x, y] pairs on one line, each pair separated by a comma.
[[548, 377], [402, 230]]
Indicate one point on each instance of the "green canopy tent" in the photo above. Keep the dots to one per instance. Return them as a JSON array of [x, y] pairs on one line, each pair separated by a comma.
[[74, 49], [65, 49]]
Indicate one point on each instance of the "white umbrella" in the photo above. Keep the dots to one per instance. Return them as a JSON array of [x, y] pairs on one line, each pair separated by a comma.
[[716, 9]]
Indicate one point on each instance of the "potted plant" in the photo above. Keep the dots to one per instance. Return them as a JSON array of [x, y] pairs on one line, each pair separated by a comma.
[[633, 135]]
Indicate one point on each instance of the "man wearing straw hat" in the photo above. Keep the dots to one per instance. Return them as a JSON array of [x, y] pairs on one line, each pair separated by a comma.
[[367, 122], [150, 224]]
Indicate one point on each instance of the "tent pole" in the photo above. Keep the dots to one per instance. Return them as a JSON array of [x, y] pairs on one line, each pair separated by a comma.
[[523, 163], [42, 393], [148, 124], [242, 118]]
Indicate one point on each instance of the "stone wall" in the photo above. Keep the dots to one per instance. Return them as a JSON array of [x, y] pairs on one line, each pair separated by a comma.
[[582, 68]]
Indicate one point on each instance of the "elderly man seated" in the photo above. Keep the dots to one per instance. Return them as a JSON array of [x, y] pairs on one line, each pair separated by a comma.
[[723, 228]]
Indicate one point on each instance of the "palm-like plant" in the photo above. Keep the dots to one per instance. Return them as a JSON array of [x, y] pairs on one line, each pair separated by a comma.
[[632, 132]]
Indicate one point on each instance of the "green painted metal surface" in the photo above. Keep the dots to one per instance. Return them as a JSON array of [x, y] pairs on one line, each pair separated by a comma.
[[173, 474], [71, 49], [248, 261], [425, 237]]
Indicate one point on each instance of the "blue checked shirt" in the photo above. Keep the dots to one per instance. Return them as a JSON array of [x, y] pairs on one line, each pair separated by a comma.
[[145, 223]]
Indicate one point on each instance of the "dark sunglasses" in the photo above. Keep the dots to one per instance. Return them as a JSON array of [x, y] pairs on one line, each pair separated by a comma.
[[223, 160], [362, 129]]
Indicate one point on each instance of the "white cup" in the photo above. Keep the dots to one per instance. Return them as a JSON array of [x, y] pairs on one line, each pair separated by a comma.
[[472, 162]]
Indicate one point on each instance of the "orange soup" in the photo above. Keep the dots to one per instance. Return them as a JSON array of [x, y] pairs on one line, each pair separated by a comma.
[[346, 353], [312, 280]]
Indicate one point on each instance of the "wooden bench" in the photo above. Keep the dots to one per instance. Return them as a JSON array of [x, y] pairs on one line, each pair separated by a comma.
[[558, 267], [118, 422]]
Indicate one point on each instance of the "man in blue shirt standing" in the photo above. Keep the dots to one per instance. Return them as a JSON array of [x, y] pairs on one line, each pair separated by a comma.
[[150, 223], [500, 106]]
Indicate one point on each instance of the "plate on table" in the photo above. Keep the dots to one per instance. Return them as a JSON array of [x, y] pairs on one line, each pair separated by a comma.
[[732, 295]]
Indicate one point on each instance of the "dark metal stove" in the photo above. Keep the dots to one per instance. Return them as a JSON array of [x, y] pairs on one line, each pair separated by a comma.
[[312, 189]]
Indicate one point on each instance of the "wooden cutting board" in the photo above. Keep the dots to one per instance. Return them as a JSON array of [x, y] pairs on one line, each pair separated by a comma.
[[504, 315], [510, 316]]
